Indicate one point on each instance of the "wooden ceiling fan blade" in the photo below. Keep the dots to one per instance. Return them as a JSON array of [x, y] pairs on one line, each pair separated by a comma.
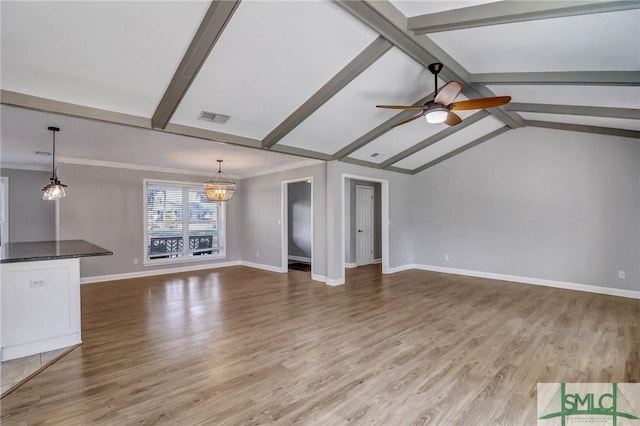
[[401, 106], [452, 119], [481, 103], [415, 117], [448, 93]]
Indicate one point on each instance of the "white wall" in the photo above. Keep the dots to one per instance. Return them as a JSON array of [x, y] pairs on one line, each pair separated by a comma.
[[537, 203]]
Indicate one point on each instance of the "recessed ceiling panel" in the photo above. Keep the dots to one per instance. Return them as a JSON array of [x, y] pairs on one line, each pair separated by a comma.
[[80, 140], [604, 96], [450, 143], [414, 8], [596, 42], [402, 137], [269, 60], [615, 123], [393, 79], [118, 56]]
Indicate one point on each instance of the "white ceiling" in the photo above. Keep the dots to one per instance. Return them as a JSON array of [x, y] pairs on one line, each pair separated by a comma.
[[115, 61]]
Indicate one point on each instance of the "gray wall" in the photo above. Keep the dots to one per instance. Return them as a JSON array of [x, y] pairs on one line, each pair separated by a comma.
[[299, 219], [537, 203], [261, 201], [350, 223], [30, 217], [105, 206], [400, 200]]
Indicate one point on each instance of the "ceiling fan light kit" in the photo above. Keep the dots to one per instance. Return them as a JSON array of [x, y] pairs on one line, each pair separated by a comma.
[[55, 189], [440, 109], [220, 187]]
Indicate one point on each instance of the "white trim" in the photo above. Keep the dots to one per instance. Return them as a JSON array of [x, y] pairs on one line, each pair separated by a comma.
[[300, 259], [401, 268], [153, 272], [377, 261], [384, 195], [18, 166], [633, 294], [131, 166], [263, 267], [4, 237], [284, 221], [335, 282], [317, 277], [350, 265]]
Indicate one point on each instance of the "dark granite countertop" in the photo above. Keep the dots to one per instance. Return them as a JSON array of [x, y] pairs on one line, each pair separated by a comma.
[[50, 250]]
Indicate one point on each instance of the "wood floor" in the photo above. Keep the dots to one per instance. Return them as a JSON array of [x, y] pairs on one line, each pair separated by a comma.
[[240, 346]]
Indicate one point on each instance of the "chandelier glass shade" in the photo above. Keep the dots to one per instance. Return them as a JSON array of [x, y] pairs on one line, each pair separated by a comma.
[[220, 187], [55, 189]]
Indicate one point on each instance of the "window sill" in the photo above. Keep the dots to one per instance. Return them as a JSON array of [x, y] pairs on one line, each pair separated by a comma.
[[189, 259]]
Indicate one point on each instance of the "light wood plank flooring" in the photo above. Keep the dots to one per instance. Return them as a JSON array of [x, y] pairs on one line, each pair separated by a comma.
[[248, 347]]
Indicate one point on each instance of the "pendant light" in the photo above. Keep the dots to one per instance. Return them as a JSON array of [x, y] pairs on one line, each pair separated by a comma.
[[54, 190], [220, 187]]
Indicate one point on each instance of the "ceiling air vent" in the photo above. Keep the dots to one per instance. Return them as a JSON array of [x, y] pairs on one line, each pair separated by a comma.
[[213, 117]]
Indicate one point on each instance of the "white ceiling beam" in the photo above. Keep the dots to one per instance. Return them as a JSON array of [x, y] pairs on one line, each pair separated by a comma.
[[573, 78], [379, 130], [584, 129], [506, 12], [389, 22], [435, 138], [592, 111], [364, 60], [212, 26], [462, 149]]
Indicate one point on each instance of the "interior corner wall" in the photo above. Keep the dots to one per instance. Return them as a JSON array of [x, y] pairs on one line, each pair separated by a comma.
[[105, 206], [261, 204], [535, 203], [400, 204], [30, 217]]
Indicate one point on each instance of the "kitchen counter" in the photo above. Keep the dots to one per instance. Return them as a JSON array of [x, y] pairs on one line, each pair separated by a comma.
[[40, 295], [50, 250]]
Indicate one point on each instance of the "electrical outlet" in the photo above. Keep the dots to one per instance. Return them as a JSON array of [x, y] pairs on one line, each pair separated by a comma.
[[446, 257], [135, 260], [257, 254], [37, 283], [621, 275]]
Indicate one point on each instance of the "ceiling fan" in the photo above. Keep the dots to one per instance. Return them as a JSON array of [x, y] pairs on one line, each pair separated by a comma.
[[440, 109]]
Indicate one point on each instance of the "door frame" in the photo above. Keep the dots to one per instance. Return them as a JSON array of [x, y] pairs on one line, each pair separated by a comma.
[[373, 207], [284, 222], [384, 205], [5, 210]]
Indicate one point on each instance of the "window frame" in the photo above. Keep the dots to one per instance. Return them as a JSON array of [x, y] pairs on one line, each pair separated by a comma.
[[222, 226]]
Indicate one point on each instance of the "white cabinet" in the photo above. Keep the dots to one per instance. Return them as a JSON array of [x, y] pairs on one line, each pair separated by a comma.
[[40, 304]]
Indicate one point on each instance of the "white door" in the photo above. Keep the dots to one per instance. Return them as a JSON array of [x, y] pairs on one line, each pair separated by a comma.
[[364, 225]]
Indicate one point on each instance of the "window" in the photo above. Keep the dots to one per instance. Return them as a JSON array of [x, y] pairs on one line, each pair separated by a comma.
[[181, 223]]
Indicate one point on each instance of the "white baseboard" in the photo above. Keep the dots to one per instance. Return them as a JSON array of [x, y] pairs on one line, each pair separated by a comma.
[[350, 265], [394, 269], [317, 277], [335, 281], [300, 259], [270, 268], [376, 261], [534, 281], [153, 272]]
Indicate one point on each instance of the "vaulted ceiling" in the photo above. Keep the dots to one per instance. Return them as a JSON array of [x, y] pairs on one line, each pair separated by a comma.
[[130, 79]]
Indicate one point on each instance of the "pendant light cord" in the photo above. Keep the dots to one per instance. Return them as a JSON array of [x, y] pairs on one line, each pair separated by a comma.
[[53, 160]]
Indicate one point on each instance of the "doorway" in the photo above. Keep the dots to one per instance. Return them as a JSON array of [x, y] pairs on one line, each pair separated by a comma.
[[363, 239], [297, 225], [364, 225], [4, 211]]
